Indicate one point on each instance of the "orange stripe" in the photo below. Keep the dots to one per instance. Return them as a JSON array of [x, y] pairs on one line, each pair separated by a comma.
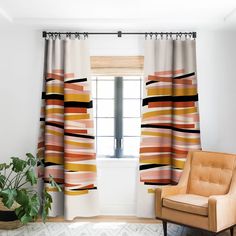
[[75, 110], [55, 76], [179, 151], [183, 104], [54, 102], [57, 123], [183, 81], [155, 149], [54, 148], [158, 78], [79, 155], [184, 125], [77, 131], [41, 144], [159, 104], [74, 86]]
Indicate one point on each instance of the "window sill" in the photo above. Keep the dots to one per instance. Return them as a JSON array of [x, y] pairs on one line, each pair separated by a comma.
[[106, 162]]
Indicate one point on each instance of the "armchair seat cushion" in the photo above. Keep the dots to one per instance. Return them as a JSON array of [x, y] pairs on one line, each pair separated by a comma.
[[190, 203]]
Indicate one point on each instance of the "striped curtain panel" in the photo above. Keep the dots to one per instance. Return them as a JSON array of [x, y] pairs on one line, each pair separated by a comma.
[[170, 120], [66, 143]]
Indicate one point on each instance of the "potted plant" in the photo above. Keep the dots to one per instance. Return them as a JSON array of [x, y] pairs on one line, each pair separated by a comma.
[[20, 203]]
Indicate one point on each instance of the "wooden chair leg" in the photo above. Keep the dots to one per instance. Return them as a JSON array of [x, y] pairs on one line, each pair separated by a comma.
[[232, 231], [164, 224]]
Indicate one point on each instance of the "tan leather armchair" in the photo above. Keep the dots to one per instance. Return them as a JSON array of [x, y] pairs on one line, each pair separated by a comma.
[[205, 196]]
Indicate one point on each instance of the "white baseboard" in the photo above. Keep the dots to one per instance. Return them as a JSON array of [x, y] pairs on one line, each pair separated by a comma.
[[118, 210]]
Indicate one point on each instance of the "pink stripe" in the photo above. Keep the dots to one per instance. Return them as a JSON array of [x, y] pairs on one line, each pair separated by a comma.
[[159, 130], [74, 178], [176, 175], [160, 143], [73, 91], [56, 173], [157, 174]]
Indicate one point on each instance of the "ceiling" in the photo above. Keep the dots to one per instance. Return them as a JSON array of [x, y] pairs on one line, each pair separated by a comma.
[[133, 15]]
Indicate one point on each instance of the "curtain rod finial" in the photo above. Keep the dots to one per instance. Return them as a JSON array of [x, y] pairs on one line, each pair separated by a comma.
[[44, 33], [194, 35]]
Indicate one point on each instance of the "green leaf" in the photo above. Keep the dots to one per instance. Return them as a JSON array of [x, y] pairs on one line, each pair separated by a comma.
[[47, 201], [8, 197], [54, 184], [31, 159], [34, 205], [4, 166], [30, 176], [22, 197], [25, 218], [2, 181], [44, 215], [19, 212], [18, 164]]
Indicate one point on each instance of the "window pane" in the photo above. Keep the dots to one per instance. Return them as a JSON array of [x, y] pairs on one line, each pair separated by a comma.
[[105, 126], [105, 89], [94, 88], [131, 89], [131, 146], [94, 129], [132, 126], [131, 107], [105, 146], [94, 107], [105, 108]]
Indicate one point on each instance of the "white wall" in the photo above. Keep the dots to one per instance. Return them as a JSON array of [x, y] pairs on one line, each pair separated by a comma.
[[21, 66], [217, 90]]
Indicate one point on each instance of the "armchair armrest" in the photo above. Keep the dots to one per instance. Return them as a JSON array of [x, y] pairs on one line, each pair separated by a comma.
[[181, 188], [162, 192], [221, 211]]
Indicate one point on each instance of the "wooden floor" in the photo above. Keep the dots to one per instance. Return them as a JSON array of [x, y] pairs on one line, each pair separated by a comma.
[[173, 230]]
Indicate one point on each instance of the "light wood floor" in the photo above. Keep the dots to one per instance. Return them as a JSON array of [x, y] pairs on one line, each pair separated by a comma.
[[173, 230]]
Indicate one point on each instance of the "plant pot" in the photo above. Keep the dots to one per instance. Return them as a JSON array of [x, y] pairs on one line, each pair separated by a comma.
[[8, 218]]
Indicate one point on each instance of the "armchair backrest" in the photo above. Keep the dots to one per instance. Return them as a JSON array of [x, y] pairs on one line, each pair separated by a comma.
[[210, 173]]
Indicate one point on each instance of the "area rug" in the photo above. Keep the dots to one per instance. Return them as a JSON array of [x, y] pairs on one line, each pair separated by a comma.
[[90, 229]]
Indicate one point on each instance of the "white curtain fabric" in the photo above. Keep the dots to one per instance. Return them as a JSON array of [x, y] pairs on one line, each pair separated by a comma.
[[66, 142], [170, 120]]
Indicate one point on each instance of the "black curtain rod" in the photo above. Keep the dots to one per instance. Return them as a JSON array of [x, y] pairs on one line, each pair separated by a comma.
[[119, 33]]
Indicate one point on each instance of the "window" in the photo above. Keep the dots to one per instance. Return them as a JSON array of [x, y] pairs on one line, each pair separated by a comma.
[[117, 112]]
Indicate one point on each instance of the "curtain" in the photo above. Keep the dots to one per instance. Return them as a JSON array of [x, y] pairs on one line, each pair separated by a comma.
[[170, 120], [66, 143]]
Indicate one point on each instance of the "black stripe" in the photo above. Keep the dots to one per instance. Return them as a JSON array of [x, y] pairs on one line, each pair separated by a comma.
[[8, 216], [169, 127], [43, 96], [170, 98], [76, 80], [80, 135], [49, 79], [148, 166], [151, 82], [79, 104], [184, 76], [81, 189], [42, 119], [51, 164], [55, 125], [147, 183], [55, 96]]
